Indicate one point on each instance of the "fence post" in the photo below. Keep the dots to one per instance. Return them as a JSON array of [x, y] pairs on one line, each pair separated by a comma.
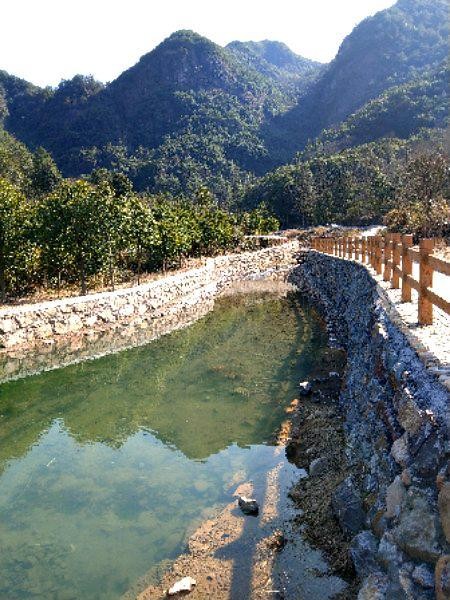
[[371, 251], [335, 246], [387, 257], [396, 239], [340, 247], [378, 254], [425, 281], [363, 250], [357, 240], [407, 242]]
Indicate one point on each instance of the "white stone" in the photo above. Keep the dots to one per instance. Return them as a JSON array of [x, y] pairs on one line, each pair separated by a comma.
[[183, 585]]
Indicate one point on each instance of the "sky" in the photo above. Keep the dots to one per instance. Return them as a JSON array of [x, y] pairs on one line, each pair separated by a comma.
[[45, 41]]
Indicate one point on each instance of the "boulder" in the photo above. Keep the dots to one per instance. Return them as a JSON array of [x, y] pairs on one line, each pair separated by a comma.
[[374, 587], [394, 497], [444, 509], [400, 451], [417, 531], [347, 506], [363, 551], [249, 506], [442, 578], [423, 576], [428, 456]]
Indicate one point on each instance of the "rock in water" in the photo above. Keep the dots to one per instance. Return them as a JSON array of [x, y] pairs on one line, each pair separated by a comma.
[[305, 388], [249, 506], [183, 585]]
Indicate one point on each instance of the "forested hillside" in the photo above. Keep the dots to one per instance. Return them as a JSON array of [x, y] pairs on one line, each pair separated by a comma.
[[191, 114], [394, 46], [400, 112]]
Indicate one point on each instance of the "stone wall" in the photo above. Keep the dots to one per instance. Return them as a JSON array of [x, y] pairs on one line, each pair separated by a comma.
[[59, 331], [397, 419]]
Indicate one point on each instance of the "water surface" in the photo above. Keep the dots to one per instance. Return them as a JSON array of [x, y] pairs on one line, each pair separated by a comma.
[[105, 466]]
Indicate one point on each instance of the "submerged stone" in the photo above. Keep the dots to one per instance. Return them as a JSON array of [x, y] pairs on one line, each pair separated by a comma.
[[249, 506]]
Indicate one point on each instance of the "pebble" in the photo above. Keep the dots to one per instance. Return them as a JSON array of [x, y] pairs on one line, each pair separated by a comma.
[[183, 585]]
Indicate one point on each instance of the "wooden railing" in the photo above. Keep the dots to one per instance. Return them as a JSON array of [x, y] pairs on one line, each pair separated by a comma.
[[392, 256]]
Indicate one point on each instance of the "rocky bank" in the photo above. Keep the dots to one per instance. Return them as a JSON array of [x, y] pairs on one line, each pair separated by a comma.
[[394, 505]]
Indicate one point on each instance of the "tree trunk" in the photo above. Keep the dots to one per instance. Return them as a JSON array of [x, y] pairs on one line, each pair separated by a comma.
[[139, 260], [83, 277], [2, 278]]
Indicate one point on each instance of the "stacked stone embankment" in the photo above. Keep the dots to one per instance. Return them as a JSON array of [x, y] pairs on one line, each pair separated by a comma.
[[22, 326], [396, 505]]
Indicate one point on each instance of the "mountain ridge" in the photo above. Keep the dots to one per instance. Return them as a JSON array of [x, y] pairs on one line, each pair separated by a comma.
[[191, 112]]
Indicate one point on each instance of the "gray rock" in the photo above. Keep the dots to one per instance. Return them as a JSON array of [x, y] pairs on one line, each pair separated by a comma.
[[305, 388], [442, 578], [318, 466], [347, 506], [374, 587], [363, 551], [444, 509], [400, 451], [417, 531], [390, 556], [428, 456], [249, 506], [394, 497], [423, 576]]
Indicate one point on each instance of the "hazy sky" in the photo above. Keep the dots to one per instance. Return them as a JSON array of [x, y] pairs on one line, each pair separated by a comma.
[[45, 41]]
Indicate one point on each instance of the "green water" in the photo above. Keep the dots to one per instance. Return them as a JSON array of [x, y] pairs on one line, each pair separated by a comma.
[[105, 466]]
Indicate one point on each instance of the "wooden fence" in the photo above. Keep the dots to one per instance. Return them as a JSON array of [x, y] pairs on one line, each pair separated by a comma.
[[392, 256]]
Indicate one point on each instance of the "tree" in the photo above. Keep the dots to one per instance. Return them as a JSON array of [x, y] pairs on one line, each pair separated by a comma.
[[422, 196], [74, 231], [16, 252], [45, 175], [142, 233]]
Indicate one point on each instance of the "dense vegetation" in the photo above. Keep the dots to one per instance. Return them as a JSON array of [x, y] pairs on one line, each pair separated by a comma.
[[200, 132], [73, 231], [355, 186], [401, 112], [393, 47], [192, 113]]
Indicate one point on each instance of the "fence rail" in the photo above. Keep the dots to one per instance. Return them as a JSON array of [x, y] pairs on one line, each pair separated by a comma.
[[392, 256]]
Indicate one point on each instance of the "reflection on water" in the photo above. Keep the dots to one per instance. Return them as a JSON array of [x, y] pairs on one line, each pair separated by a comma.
[[105, 465]]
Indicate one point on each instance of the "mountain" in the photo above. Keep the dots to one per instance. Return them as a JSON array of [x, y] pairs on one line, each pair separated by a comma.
[[388, 49], [276, 61], [191, 112], [187, 84], [400, 112]]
